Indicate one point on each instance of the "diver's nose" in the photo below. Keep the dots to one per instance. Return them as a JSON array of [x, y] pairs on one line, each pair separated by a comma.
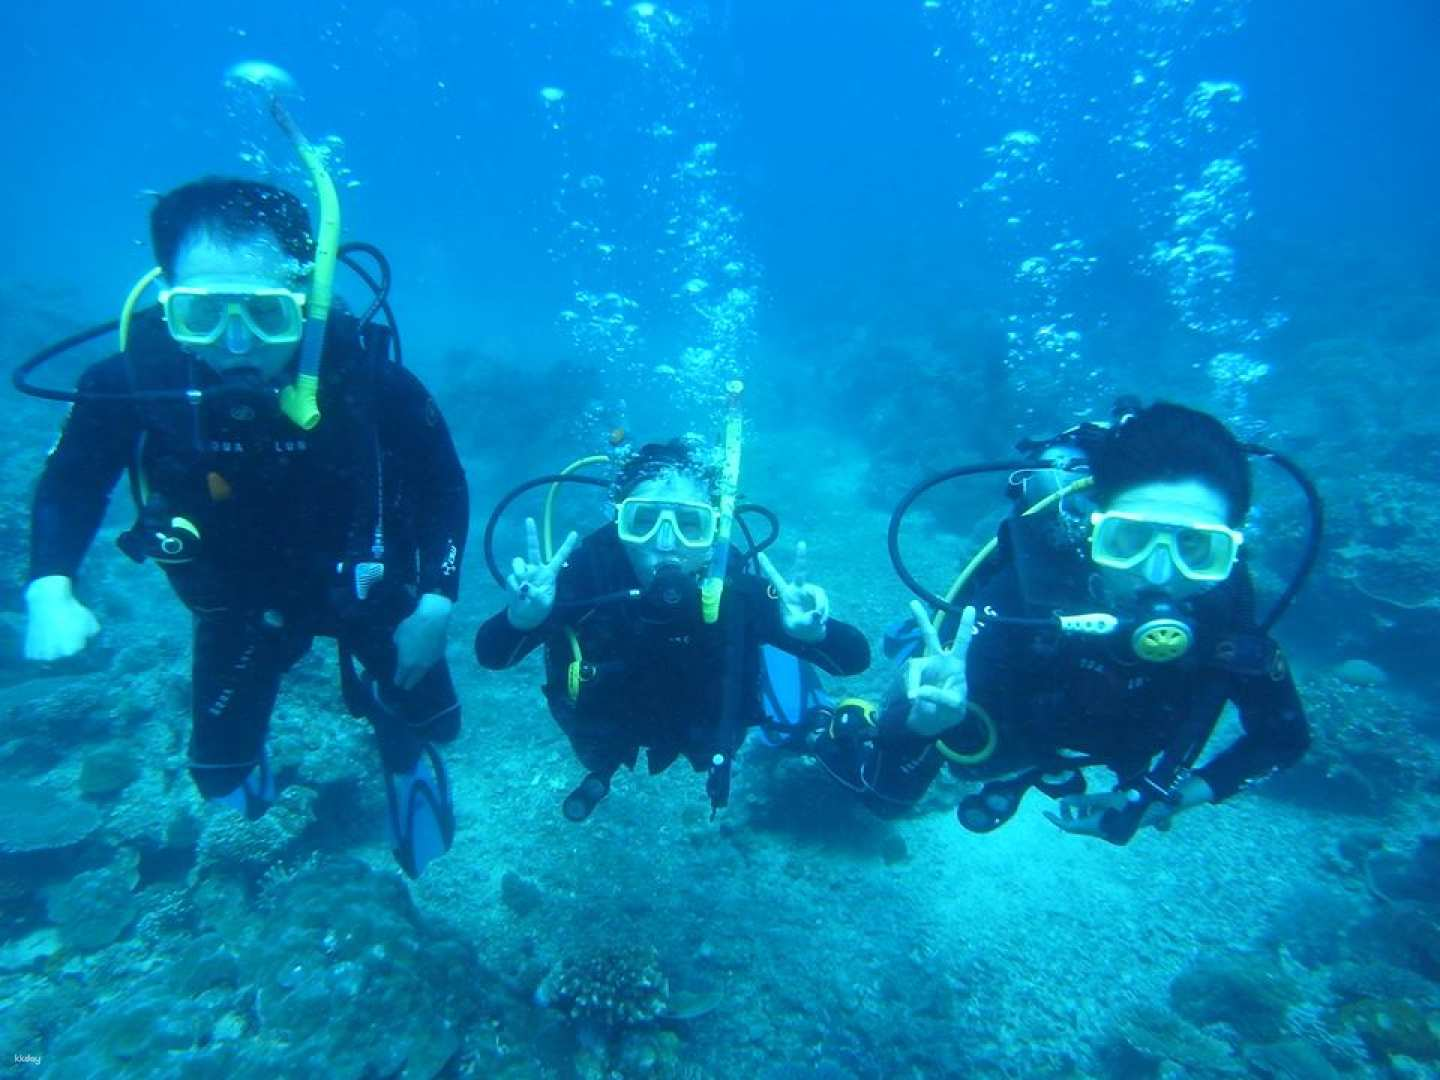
[[1159, 569], [238, 338], [665, 541]]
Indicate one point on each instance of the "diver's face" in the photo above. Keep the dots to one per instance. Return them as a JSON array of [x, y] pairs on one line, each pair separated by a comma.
[[1188, 502], [238, 265], [664, 549]]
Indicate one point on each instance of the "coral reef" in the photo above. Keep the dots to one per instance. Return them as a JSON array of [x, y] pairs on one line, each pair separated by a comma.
[[94, 908], [1370, 752], [1244, 990], [230, 842], [1152, 1037], [39, 819], [608, 990], [336, 967]]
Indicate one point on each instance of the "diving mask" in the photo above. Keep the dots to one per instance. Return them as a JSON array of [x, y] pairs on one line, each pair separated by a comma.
[[640, 520], [199, 315], [1200, 551]]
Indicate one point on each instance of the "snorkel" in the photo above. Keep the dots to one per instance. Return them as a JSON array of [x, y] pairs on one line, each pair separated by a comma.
[[713, 587], [298, 402]]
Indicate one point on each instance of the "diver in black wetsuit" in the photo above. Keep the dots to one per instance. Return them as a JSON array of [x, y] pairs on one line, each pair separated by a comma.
[[1018, 693], [271, 532], [644, 669]]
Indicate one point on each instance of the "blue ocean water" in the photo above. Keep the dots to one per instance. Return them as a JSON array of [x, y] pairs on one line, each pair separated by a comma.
[[917, 231]]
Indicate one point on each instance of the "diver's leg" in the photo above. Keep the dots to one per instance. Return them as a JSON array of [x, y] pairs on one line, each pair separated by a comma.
[[236, 675], [598, 746], [407, 725]]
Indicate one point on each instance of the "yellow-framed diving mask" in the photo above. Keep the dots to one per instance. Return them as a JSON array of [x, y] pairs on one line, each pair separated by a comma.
[[1200, 551], [199, 315], [693, 524]]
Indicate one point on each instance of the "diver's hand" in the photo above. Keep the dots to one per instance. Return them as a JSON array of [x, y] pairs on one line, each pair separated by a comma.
[[804, 608], [1084, 815], [420, 639], [56, 624], [935, 681], [531, 582]]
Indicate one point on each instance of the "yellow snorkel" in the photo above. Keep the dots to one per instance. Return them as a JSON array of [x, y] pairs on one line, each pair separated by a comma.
[[298, 402], [713, 587]]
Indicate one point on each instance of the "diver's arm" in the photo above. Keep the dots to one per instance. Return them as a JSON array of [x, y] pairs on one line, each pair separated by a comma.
[[74, 489], [441, 499], [843, 650], [1276, 732], [499, 645], [502, 641]]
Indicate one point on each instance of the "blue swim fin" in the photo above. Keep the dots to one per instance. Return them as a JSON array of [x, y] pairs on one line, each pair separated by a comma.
[[255, 794], [422, 817], [791, 696]]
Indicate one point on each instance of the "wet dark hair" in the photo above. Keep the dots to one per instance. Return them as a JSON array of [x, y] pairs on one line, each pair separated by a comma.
[[232, 209], [1169, 443], [656, 459]]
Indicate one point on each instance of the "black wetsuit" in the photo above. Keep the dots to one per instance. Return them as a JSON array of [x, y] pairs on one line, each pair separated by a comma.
[[1057, 698], [283, 515], [656, 674]]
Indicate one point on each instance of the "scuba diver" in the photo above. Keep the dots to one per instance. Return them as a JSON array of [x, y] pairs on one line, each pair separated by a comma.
[[655, 634], [292, 481], [1107, 624]]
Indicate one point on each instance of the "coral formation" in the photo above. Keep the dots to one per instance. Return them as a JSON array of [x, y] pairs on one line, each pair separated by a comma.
[[94, 908], [39, 819], [1244, 990], [609, 989]]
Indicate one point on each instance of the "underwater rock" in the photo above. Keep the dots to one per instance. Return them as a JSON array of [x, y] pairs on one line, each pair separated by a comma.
[[38, 819], [1391, 1028], [30, 951], [1358, 672], [1157, 1036], [1404, 934], [95, 907], [334, 966], [1369, 750], [1376, 979], [1311, 924], [1290, 1060], [893, 849], [520, 895], [107, 771], [1243, 990], [1413, 877]]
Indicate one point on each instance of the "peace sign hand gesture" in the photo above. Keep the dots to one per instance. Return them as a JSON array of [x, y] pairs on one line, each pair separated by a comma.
[[531, 582], [804, 608], [935, 681]]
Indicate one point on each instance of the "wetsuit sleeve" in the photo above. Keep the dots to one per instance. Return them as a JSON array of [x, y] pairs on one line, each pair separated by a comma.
[[94, 448], [843, 651], [434, 477], [499, 645], [1276, 733]]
